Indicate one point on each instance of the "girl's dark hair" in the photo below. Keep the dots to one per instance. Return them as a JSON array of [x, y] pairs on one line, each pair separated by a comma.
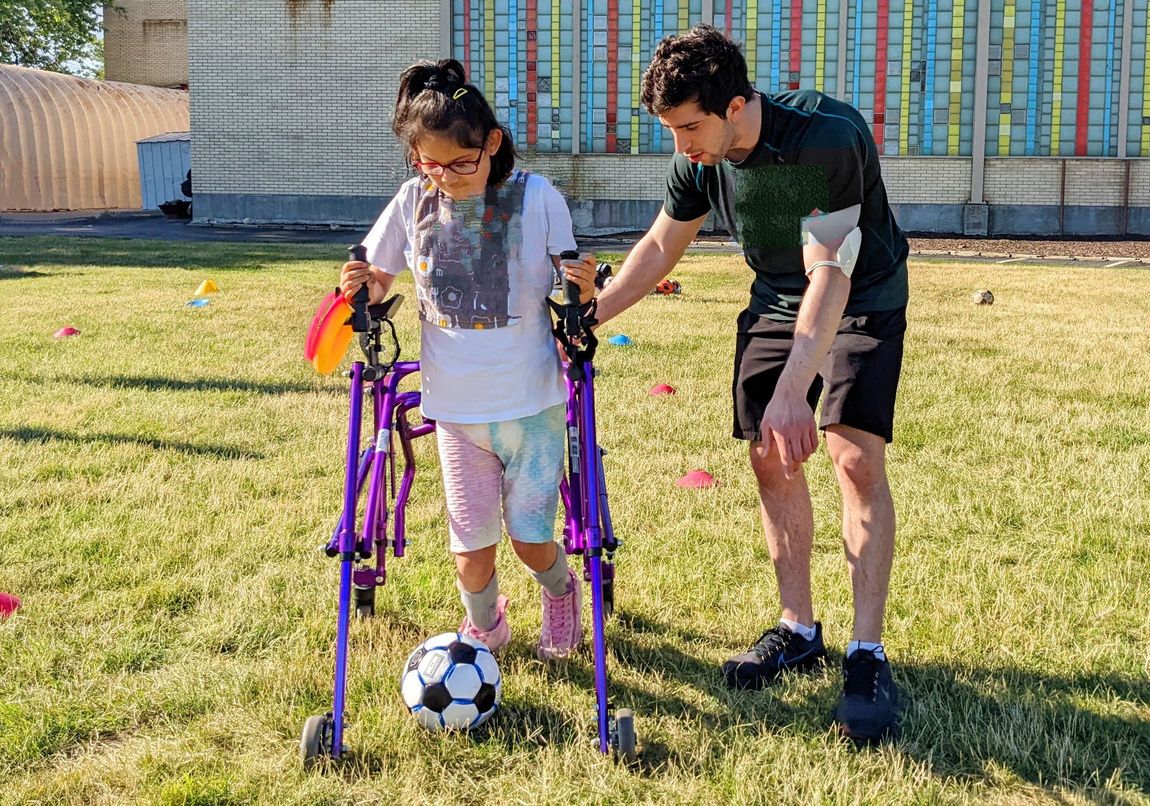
[[435, 98], [702, 65]]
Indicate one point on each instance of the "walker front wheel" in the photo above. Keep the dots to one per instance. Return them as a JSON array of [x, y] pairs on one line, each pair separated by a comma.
[[608, 589], [315, 741], [364, 602], [624, 743]]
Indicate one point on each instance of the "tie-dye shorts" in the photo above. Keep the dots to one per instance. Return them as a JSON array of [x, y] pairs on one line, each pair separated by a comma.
[[514, 467]]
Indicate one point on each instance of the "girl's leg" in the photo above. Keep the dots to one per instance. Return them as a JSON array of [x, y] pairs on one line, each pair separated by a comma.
[[478, 586], [472, 477], [533, 452], [547, 563]]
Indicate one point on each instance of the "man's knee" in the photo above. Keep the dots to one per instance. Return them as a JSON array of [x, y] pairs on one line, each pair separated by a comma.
[[766, 464], [859, 460]]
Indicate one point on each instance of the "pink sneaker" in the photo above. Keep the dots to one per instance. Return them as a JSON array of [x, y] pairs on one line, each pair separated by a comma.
[[498, 636], [562, 625]]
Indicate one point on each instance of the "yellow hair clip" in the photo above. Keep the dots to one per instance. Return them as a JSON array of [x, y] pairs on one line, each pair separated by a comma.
[[459, 93]]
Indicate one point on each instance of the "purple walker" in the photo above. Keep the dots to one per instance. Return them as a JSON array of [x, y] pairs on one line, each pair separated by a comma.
[[587, 529]]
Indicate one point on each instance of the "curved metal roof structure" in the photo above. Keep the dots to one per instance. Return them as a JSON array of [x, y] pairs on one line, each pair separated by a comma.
[[69, 143]]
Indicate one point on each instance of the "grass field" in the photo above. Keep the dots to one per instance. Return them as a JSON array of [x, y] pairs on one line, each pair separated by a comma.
[[168, 474]]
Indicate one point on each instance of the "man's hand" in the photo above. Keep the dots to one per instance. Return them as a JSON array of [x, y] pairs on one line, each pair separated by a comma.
[[582, 273], [789, 423]]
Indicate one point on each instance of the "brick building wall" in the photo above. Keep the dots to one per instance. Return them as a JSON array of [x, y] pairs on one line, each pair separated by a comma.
[[146, 42], [291, 104]]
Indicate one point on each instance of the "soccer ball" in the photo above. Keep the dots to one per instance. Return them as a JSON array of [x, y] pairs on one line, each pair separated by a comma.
[[451, 681]]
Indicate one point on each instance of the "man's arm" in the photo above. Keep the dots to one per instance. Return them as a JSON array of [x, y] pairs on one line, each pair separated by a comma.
[[831, 243], [829, 253], [819, 317], [651, 259]]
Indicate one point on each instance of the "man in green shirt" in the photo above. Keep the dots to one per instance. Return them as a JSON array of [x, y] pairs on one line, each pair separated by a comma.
[[794, 177]]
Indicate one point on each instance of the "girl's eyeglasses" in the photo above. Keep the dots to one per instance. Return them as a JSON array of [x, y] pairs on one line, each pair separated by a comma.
[[459, 167]]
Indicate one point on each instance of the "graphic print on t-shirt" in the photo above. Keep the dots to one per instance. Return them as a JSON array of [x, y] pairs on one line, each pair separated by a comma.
[[462, 251]]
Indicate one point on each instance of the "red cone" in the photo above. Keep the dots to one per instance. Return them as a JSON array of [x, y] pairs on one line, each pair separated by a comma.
[[9, 604], [696, 478], [662, 389]]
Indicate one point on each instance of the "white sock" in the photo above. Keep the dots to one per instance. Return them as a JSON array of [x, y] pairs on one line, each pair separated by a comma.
[[877, 649], [799, 629], [556, 579], [482, 606]]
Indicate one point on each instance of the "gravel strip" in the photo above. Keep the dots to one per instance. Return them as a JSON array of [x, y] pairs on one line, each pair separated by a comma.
[[1004, 248]]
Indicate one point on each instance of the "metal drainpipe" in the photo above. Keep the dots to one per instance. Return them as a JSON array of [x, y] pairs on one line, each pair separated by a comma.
[[1062, 202], [978, 135], [1126, 201]]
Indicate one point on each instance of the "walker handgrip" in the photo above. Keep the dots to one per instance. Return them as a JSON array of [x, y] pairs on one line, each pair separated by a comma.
[[360, 322], [571, 295], [570, 290]]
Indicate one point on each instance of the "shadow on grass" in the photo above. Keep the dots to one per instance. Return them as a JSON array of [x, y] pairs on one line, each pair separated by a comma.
[[1085, 731], [1047, 729], [17, 272], [512, 727], [68, 253], [44, 435], [1078, 731], [158, 384]]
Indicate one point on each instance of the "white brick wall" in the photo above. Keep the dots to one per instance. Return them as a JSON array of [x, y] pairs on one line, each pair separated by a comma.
[[1140, 183], [927, 180], [1089, 181], [146, 42], [1022, 181], [295, 96], [603, 176]]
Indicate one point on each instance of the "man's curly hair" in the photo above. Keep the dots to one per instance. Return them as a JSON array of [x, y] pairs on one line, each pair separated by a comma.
[[702, 65]]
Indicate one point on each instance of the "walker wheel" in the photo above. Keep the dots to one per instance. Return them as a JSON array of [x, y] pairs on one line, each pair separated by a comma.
[[364, 602], [608, 589], [315, 741], [623, 743]]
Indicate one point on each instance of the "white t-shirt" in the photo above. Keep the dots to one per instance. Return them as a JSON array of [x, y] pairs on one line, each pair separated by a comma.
[[483, 272]]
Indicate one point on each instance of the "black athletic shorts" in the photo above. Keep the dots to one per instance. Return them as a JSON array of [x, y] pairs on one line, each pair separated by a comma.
[[860, 373]]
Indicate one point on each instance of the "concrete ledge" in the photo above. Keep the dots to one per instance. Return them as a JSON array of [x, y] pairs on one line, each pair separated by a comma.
[[605, 216], [938, 218], [240, 208], [596, 217], [975, 219], [1079, 220]]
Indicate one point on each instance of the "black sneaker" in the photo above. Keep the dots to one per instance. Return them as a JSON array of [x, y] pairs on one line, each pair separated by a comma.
[[867, 710], [777, 650]]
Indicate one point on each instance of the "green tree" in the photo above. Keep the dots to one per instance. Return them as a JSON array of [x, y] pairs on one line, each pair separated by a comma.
[[61, 35]]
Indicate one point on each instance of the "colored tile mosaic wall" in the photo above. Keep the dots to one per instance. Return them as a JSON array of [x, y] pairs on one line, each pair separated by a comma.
[[566, 80]]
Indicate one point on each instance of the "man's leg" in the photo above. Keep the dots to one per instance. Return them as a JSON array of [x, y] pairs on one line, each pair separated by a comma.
[[785, 507], [867, 711], [797, 642], [868, 523], [861, 376]]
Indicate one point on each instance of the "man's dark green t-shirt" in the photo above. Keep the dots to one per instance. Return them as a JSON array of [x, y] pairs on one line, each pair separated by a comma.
[[814, 154]]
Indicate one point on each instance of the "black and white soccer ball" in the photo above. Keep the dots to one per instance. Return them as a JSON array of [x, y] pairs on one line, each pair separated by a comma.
[[451, 681]]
